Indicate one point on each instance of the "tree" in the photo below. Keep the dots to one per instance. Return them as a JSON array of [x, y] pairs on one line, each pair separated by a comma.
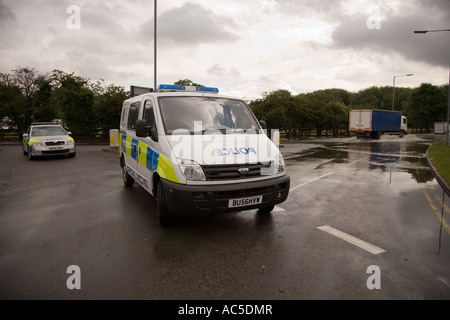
[[25, 79], [305, 116], [12, 101], [428, 104], [187, 82], [43, 109], [75, 99], [107, 108], [273, 109], [336, 116]]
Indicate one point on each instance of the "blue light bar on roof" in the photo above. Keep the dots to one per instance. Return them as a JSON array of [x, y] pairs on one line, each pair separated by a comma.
[[175, 87], [208, 89], [171, 87]]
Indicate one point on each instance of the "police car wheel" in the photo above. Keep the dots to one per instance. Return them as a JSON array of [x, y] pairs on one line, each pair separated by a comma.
[[128, 181], [30, 157], [165, 218]]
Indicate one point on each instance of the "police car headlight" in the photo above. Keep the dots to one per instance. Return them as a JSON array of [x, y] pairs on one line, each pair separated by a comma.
[[38, 144], [191, 170], [69, 142]]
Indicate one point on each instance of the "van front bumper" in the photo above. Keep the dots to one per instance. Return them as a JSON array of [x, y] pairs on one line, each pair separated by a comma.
[[201, 199]]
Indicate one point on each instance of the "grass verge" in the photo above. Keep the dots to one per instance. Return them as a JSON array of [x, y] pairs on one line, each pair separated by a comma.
[[439, 154]]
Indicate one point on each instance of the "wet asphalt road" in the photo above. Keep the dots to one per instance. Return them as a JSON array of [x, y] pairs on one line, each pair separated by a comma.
[[59, 212]]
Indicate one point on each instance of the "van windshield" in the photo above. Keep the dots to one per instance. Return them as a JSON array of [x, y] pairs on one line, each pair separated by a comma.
[[227, 115]]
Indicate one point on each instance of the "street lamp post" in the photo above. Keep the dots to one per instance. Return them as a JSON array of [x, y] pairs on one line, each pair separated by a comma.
[[448, 111], [154, 48], [393, 87]]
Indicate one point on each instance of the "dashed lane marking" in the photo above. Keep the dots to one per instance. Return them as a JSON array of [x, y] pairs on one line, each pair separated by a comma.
[[307, 182], [353, 240]]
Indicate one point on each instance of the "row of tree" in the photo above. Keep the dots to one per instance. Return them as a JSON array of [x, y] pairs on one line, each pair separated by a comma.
[[328, 110], [88, 108]]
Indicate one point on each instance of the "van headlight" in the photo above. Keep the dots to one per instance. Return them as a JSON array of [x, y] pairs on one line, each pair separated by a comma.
[[276, 166], [279, 164], [191, 170]]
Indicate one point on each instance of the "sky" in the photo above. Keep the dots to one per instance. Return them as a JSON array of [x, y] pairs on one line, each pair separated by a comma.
[[245, 48]]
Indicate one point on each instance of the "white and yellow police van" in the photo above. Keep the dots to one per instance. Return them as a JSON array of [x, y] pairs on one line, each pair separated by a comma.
[[197, 151]]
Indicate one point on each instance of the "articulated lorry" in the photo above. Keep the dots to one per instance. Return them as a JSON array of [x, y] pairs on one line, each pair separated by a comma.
[[374, 123]]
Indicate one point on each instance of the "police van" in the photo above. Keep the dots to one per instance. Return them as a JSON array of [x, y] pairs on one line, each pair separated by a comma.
[[197, 151]]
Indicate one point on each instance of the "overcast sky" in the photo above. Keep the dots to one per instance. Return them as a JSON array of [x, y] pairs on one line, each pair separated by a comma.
[[243, 47]]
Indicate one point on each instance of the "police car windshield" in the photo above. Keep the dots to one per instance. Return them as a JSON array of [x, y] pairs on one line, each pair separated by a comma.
[[206, 114], [43, 131]]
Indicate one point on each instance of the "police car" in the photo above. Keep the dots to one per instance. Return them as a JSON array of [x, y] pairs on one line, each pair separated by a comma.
[[197, 151], [47, 139]]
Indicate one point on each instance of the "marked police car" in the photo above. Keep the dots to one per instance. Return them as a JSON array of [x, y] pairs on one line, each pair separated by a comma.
[[197, 151], [47, 139]]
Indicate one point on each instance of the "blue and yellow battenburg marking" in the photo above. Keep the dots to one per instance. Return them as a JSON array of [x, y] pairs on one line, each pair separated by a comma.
[[148, 157]]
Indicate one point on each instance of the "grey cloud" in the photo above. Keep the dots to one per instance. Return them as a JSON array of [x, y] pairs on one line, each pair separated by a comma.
[[310, 8], [219, 71], [5, 13], [191, 25], [441, 5], [396, 34]]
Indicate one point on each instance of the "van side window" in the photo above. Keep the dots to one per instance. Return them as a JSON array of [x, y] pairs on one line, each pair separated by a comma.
[[148, 115], [133, 115]]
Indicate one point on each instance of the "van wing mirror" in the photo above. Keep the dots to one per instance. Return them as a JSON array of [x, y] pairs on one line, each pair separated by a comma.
[[263, 124], [142, 130]]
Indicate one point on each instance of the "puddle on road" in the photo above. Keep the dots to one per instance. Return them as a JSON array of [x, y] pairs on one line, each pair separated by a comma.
[[403, 166], [406, 155]]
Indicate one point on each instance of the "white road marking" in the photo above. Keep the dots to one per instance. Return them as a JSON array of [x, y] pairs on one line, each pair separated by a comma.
[[353, 240], [312, 180], [349, 164]]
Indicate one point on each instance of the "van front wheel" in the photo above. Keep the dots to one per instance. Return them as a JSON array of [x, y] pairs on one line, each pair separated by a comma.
[[128, 180], [165, 218], [266, 210]]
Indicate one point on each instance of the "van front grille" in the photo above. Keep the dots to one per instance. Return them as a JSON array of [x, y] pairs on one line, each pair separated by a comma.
[[234, 171]]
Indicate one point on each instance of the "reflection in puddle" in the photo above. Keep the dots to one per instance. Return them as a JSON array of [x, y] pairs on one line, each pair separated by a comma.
[[373, 155], [403, 168], [439, 212]]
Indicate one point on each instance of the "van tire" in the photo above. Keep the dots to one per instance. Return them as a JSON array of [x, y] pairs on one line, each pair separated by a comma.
[[266, 210], [128, 180], [164, 216]]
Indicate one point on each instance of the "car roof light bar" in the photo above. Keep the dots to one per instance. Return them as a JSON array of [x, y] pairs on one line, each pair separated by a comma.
[[177, 88]]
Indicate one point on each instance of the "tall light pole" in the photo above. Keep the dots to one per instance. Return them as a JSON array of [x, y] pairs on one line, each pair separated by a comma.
[[154, 53], [448, 111], [448, 107], [393, 87]]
